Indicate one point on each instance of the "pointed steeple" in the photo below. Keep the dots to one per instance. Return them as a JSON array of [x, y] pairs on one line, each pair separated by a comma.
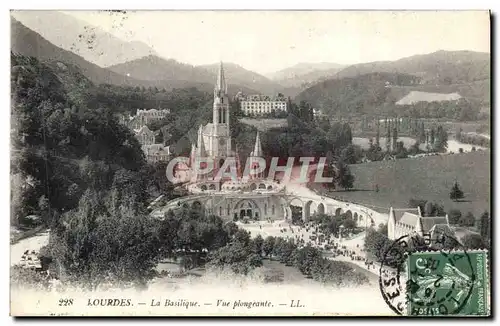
[[200, 149], [257, 149], [221, 81], [192, 154]]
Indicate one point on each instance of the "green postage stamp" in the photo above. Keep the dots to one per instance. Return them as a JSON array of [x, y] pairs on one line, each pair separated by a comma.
[[452, 283]]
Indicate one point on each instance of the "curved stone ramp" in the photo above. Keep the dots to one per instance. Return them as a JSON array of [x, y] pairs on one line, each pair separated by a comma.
[[309, 201]]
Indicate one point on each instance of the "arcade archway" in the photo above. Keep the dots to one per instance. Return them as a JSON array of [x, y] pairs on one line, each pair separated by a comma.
[[246, 208], [320, 209]]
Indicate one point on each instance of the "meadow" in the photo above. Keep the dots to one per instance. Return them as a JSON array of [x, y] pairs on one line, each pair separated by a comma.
[[429, 178]]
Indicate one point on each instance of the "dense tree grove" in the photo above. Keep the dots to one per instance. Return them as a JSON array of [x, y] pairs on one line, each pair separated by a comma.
[[62, 148], [243, 254], [472, 139], [485, 227], [304, 137], [461, 110], [330, 225], [427, 208]]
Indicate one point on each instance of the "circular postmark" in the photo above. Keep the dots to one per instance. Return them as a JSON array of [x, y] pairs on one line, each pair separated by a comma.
[[416, 278]]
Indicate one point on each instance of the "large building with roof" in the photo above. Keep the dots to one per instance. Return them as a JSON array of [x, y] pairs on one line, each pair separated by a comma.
[[409, 221], [143, 117], [261, 104]]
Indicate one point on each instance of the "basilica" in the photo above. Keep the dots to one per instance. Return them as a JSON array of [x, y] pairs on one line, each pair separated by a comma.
[[239, 196], [215, 145]]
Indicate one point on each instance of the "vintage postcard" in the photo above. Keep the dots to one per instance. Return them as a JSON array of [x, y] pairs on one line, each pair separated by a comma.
[[250, 163]]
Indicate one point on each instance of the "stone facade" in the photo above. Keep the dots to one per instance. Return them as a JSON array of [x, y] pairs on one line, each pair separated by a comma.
[[145, 136], [143, 117], [410, 221]]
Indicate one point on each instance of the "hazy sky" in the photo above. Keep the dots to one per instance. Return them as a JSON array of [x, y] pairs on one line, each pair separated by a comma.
[[268, 41]]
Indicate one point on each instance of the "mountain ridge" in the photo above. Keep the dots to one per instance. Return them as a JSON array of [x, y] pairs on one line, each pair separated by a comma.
[[88, 41], [29, 43]]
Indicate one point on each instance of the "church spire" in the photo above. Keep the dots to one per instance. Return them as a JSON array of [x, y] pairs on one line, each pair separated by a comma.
[[200, 149], [192, 155], [221, 81], [257, 149]]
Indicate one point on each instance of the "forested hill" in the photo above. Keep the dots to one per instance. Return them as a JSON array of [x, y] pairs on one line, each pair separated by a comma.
[[143, 73], [437, 68], [60, 148], [28, 43], [356, 95]]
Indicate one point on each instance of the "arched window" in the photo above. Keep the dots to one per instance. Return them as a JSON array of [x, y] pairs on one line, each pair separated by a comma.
[[265, 209]]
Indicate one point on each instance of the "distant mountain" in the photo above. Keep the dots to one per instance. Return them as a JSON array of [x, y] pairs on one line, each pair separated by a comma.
[[26, 42], [29, 43], [176, 73], [153, 67], [302, 68], [303, 75], [367, 87], [364, 94], [77, 36], [238, 75], [437, 68]]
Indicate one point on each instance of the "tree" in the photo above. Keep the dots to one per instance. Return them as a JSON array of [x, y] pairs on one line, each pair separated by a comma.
[[268, 245], [394, 137], [236, 255], [348, 155], [278, 246], [90, 244], [414, 203], [441, 139], [473, 241], [377, 137], [485, 226], [231, 228], [433, 209], [421, 134], [468, 220], [242, 236], [454, 216], [382, 228], [456, 193], [257, 244], [349, 224], [44, 206], [376, 243], [388, 137], [344, 178], [306, 258]]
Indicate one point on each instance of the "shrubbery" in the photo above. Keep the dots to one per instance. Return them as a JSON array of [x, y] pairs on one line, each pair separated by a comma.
[[243, 254]]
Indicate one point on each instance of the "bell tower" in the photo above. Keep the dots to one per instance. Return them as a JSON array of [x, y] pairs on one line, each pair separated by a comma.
[[221, 142]]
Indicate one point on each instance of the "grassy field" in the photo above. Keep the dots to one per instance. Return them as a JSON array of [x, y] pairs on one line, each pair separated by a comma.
[[428, 178], [264, 124]]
